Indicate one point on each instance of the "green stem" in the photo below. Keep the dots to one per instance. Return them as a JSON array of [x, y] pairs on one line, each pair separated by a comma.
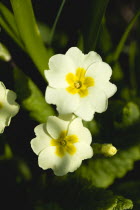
[[55, 22], [26, 23], [124, 37]]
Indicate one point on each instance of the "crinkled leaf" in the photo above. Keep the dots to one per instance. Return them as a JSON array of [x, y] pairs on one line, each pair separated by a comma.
[[101, 171], [123, 203], [131, 190], [83, 196]]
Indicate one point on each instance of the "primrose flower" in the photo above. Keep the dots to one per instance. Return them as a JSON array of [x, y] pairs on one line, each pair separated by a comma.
[[8, 106], [79, 83], [62, 145]]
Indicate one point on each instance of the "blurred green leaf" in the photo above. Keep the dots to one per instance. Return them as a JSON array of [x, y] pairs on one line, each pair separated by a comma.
[[55, 22], [44, 31], [7, 21], [60, 39], [105, 41], [49, 206], [4, 53], [93, 20], [101, 171], [24, 169], [93, 126], [29, 32], [83, 196], [130, 115], [117, 71], [132, 73], [124, 37], [31, 97]]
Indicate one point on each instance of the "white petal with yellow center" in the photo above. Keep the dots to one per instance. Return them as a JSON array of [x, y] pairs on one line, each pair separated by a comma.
[[64, 147], [83, 87]]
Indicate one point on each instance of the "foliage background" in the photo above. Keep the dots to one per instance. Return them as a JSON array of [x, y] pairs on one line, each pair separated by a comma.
[[102, 183]]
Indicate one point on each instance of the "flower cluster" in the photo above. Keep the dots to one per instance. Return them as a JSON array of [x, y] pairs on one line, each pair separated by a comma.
[[79, 86], [8, 106]]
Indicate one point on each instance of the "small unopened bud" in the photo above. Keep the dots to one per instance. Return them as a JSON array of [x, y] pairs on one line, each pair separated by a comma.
[[108, 150]]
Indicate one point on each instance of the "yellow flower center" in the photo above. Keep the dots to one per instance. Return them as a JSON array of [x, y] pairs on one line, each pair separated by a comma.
[[64, 144], [78, 83]]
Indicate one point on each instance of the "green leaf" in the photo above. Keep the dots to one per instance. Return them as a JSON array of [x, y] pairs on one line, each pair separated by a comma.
[[130, 189], [124, 37], [31, 97], [26, 23], [131, 113], [48, 206], [93, 19], [123, 203], [4, 53], [7, 21], [132, 73], [102, 172], [80, 195], [55, 22], [105, 42]]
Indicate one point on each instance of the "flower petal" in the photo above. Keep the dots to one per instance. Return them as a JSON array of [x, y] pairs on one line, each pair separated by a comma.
[[48, 159], [60, 66], [55, 126], [76, 55], [76, 128], [84, 151], [109, 89], [9, 108], [85, 110], [100, 72], [90, 58], [2, 91], [98, 99], [67, 164], [71, 163], [11, 97], [66, 103], [42, 140], [61, 166]]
